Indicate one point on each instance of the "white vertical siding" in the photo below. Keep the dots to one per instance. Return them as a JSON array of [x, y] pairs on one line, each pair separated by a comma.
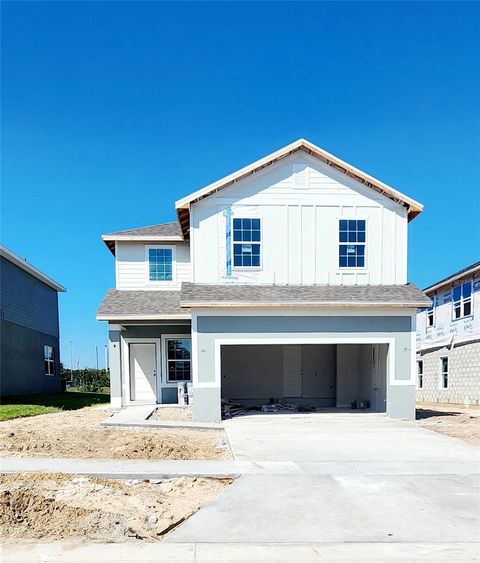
[[300, 201]]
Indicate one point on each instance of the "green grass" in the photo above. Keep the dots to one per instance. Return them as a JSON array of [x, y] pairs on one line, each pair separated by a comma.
[[33, 405]]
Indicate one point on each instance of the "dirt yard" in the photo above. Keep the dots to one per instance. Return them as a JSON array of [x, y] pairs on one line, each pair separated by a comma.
[[172, 413], [49, 507], [79, 434], [452, 421]]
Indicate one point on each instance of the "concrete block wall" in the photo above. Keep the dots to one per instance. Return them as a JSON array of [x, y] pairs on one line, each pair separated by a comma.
[[463, 376]]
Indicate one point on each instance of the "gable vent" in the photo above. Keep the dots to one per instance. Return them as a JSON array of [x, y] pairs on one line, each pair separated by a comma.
[[300, 175]]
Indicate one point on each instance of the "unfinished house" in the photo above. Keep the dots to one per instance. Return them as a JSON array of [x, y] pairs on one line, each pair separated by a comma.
[[448, 341], [285, 281]]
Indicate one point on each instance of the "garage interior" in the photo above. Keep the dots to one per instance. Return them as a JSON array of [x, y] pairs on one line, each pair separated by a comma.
[[318, 375]]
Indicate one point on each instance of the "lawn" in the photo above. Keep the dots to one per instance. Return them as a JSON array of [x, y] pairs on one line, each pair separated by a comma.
[[33, 405]]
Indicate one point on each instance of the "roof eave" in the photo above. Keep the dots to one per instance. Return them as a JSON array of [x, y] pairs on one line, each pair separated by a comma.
[[216, 304], [183, 205], [453, 279], [140, 317]]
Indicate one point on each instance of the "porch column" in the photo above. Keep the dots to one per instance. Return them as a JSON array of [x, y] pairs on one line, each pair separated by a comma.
[[115, 365]]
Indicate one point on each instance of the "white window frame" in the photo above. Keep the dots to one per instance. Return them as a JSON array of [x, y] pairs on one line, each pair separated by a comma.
[[420, 375], [434, 315], [165, 339], [352, 268], [49, 362], [233, 242], [167, 283], [462, 302], [443, 373]]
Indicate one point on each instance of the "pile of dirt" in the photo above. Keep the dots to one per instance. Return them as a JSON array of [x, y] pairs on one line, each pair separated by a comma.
[[49, 507], [79, 434], [451, 422], [172, 413]]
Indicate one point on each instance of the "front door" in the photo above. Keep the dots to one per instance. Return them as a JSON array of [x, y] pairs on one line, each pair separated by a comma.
[[292, 370], [143, 372]]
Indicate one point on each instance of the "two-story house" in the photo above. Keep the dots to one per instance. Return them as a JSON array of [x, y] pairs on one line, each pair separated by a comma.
[[448, 340], [285, 280], [29, 326]]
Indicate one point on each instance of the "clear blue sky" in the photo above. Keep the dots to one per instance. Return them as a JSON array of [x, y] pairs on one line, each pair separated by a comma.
[[112, 111]]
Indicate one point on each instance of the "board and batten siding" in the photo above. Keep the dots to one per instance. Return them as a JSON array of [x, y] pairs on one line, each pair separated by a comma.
[[300, 201], [27, 301], [131, 266]]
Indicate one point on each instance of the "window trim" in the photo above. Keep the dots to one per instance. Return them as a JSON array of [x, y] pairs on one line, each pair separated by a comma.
[[352, 268], [233, 242], [173, 281], [434, 314], [462, 301], [442, 373], [165, 338], [420, 381], [48, 361]]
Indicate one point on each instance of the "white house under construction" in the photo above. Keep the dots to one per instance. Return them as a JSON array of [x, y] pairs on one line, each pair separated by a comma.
[[448, 340]]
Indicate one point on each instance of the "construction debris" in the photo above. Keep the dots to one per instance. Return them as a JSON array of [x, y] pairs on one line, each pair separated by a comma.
[[230, 409]]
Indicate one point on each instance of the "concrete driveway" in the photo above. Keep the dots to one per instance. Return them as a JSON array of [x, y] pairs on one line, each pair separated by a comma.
[[346, 478]]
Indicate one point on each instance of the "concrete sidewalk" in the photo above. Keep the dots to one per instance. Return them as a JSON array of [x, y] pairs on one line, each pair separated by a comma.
[[137, 416], [236, 552]]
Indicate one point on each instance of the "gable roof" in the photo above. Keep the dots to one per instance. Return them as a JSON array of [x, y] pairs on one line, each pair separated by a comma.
[[24, 265], [163, 232], [183, 205], [230, 295], [463, 273]]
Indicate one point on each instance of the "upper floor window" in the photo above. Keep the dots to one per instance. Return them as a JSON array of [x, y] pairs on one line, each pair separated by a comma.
[[48, 360], [430, 316], [160, 264], [462, 300], [246, 243], [352, 238]]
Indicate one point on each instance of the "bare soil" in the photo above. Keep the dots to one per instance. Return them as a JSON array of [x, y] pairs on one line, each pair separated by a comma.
[[51, 506], [79, 434], [172, 413], [451, 421]]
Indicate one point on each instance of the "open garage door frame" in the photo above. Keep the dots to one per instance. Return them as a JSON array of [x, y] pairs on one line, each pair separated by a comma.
[[219, 342]]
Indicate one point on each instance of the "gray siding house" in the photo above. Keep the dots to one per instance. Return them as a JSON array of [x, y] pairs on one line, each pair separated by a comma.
[[448, 340], [285, 280], [30, 352]]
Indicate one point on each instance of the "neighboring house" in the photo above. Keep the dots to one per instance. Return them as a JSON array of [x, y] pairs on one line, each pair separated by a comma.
[[285, 280], [448, 340], [30, 352]]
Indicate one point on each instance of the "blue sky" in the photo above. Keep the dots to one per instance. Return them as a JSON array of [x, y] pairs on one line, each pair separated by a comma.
[[112, 111]]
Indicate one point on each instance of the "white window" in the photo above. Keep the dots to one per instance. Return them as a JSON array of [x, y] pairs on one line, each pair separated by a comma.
[[160, 261], [431, 316], [178, 357], [462, 300], [444, 372], [352, 242], [48, 360], [246, 243], [420, 374]]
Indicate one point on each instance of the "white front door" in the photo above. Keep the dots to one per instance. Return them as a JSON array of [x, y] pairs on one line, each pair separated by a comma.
[[292, 370], [143, 372]]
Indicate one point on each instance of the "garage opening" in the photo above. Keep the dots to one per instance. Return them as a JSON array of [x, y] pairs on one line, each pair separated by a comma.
[[314, 375]]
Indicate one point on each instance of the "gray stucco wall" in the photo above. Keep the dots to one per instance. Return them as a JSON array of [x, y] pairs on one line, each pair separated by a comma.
[[400, 398], [21, 361]]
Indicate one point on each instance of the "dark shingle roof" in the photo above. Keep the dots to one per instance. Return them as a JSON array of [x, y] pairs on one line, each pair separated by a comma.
[[171, 229], [250, 295], [131, 304]]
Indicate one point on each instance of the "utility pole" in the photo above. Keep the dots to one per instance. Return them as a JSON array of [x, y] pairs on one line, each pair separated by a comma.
[[106, 357], [71, 361], [96, 355]]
